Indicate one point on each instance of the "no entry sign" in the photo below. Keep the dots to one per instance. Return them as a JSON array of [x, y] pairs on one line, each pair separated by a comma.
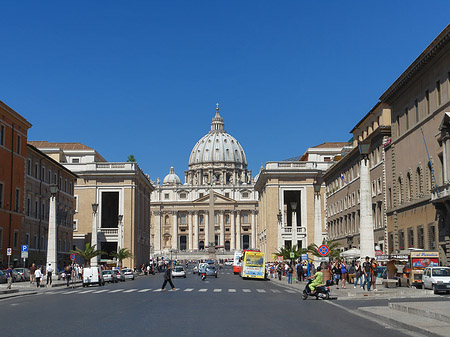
[[323, 250]]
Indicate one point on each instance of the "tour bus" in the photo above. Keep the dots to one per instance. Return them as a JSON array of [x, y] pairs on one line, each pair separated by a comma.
[[253, 265], [237, 262]]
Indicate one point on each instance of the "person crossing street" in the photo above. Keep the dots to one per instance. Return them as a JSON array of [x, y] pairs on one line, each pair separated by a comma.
[[168, 278]]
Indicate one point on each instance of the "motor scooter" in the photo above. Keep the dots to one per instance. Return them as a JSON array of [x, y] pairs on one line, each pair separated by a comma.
[[203, 276], [322, 291]]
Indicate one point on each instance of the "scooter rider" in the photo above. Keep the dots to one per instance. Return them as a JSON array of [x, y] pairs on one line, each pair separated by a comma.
[[317, 280]]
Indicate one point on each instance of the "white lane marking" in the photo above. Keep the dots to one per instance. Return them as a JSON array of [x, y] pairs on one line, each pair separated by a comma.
[[203, 290], [143, 290], [100, 291], [115, 291], [130, 290], [51, 292], [275, 291], [231, 290], [189, 289], [260, 290], [176, 289], [217, 290], [87, 291], [71, 292], [290, 291], [157, 290], [246, 290]]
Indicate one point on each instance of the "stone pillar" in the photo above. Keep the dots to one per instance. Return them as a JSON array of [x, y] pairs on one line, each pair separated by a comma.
[[233, 232], [157, 240], [52, 254], [174, 230], [317, 220], [206, 224], [195, 246], [238, 230], [253, 229], [222, 228], [366, 222], [94, 239], [190, 231]]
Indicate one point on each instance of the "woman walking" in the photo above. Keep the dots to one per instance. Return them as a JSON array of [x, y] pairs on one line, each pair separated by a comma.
[[373, 273], [343, 274], [38, 275], [358, 274], [337, 272]]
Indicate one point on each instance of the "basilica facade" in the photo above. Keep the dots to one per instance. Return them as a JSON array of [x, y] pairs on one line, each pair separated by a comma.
[[180, 212]]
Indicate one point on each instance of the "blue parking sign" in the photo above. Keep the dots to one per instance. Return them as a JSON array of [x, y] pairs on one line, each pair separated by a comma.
[[24, 248]]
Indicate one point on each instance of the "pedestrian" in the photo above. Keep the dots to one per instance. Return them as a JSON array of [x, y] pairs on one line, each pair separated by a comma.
[[32, 270], [336, 270], [358, 274], [279, 271], [38, 275], [68, 272], [366, 268], [9, 276], [49, 274], [289, 274], [373, 273], [343, 274], [299, 272], [168, 278]]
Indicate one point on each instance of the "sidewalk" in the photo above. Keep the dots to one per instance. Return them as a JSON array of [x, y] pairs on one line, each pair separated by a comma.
[[25, 288], [351, 293]]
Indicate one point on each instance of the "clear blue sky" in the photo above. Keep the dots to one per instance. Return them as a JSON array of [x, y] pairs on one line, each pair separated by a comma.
[[143, 77]]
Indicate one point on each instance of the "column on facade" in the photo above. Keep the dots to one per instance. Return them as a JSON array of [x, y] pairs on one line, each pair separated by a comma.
[[191, 234], [233, 232], [238, 230], [174, 230], [222, 228], [253, 229], [195, 246], [157, 238], [366, 221], [317, 220], [206, 221]]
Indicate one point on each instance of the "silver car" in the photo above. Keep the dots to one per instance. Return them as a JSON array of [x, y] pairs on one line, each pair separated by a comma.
[[119, 275], [128, 273], [109, 276]]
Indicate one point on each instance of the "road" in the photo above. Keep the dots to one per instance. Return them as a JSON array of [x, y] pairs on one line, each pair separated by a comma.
[[224, 306]]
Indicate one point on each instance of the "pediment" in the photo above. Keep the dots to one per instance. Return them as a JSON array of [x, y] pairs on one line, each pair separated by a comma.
[[218, 199]]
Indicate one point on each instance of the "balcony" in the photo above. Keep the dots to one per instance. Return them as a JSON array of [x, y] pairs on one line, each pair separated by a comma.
[[288, 231], [108, 234], [440, 193]]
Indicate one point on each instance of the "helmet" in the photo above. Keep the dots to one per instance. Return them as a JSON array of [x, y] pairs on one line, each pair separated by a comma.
[[319, 268]]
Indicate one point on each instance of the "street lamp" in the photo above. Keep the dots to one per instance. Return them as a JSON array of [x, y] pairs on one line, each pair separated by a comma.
[[366, 222], [94, 260], [294, 222], [317, 214], [52, 257], [279, 218], [119, 242]]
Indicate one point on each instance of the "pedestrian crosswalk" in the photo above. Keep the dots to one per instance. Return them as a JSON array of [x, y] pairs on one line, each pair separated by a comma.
[[187, 290]]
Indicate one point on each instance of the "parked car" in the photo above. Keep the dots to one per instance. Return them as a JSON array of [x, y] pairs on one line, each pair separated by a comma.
[[436, 278], [24, 272], [119, 275], [128, 273], [179, 271], [2, 277], [211, 271], [109, 276], [92, 275]]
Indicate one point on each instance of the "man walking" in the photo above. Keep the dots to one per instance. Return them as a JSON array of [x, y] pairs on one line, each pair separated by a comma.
[[168, 278], [9, 276], [366, 270], [32, 270], [49, 274]]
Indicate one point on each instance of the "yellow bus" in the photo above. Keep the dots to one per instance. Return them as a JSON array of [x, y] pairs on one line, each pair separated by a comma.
[[253, 265]]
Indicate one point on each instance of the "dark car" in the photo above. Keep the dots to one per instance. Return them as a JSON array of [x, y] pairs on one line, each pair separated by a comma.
[[2, 277], [211, 271]]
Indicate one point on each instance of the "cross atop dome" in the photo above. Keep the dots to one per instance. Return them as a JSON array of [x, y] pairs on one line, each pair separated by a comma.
[[217, 122]]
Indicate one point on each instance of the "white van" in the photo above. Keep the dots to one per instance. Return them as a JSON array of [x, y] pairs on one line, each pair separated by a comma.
[[93, 275], [437, 278]]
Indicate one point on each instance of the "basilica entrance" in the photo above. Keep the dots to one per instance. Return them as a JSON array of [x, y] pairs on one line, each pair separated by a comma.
[[183, 242]]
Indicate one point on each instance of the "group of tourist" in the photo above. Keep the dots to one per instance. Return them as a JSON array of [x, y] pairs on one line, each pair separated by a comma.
[[366, 273]]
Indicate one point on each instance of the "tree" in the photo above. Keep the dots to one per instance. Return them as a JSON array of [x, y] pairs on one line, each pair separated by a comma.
[[285, 252], [332, 248], [87, 253], [122, 254], [131, 159]]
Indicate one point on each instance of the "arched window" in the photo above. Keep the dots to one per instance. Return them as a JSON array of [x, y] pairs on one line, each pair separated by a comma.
[[409, 189], [400, 191], [166, 220], [419, 183]]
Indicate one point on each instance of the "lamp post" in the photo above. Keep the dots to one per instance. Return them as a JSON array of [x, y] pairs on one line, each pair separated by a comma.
[[294, 222], [52, 254], [94, 260], [120, 232], [317, 215], [279, 218], [366, 222]]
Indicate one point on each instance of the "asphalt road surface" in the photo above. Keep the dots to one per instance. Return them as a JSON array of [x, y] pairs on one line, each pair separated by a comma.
[[226, 306]]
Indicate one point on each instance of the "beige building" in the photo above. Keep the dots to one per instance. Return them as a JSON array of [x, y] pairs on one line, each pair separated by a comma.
[[342, 182], [42, 172], [121, 191], [291, 210], [417, 189], [180, 211]]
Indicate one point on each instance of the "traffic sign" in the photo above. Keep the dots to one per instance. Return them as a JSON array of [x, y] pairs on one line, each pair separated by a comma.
[[292, 255], [323, 250], [24, 255], [324, 259], [24, 248], [8, 251], [305, 257], [280, 258], [73, 257]]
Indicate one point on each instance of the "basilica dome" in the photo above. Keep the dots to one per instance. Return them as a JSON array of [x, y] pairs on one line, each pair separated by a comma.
[[171, 178], [218, 147]]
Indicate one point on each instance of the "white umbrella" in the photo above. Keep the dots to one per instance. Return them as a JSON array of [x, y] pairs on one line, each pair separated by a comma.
[[351, 253]]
